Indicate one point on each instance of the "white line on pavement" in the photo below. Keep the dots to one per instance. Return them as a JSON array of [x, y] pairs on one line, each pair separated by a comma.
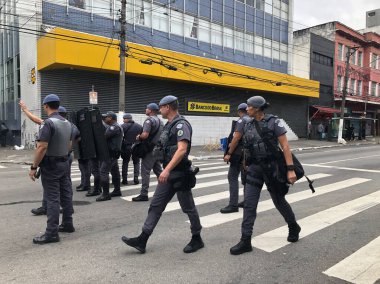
[[218, 218], [225, 194], [341, 168], [361, 267], [276, 239], [359, 158]]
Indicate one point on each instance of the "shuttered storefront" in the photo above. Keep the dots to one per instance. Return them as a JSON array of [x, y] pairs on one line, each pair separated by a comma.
[[73, 87]]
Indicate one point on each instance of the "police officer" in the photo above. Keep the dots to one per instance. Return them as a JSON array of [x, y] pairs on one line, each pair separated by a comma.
[[260, 163], [234, 157], [175, 144], [114, 137], [152, 128], [131, 129], [54, 142]]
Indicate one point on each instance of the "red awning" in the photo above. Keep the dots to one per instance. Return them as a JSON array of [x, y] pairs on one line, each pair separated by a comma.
[[323, 109]]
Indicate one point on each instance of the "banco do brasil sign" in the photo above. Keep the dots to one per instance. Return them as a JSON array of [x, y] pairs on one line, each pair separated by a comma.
[[208, 107]]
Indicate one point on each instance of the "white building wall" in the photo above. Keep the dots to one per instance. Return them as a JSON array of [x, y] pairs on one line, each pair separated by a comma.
[[30, 93], [208, 130], [301, 56]]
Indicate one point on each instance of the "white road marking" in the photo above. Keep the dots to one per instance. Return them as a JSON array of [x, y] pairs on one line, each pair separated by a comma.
[[225, 195], [218, 218], [361, 267], [2, 167], [359, 158], [341, 168], [276, 239]]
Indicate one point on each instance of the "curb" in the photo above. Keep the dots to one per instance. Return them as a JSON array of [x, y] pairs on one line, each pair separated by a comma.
[[220, 156]]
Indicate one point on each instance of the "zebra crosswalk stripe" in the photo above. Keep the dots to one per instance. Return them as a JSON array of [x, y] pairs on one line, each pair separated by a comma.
[[2, 167], [361, 267], [276, 239], [218, 218], [225, 195]]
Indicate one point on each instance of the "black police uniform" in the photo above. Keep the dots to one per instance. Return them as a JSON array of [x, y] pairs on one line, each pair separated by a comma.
[[261, 163], [114, 136], [131, 129], [180, 130], [235, 164], [55, 172], [151, 125]]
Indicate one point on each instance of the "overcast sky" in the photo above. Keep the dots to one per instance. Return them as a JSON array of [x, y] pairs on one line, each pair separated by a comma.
[[352, 13]]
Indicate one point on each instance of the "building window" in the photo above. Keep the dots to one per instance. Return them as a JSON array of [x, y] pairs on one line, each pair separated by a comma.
[[339, 83], [78, 3], [322, 59], [340, 51], [250, 2], [359, 90], [373, 88], [353, 58], [194, 29], [352, 86], [260, 4], [374, 59], [360, 58]]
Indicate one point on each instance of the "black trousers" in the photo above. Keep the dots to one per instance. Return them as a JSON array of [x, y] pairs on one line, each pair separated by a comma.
[[126, 155], [254, 182]]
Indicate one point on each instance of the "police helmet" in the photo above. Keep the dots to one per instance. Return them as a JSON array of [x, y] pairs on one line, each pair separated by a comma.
[[167, 100], [152, 106], [51, 98], [111, 114], [257, 101], [242, 106], [62, 109]]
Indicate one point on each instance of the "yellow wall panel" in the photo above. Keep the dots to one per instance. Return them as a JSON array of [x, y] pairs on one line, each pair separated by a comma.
[[90, 52]]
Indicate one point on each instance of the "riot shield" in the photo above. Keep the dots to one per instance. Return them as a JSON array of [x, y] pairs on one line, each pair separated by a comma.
[[99, 137], [87, 148]]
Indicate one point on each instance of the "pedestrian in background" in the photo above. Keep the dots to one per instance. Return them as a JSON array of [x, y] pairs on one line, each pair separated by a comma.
[[114, 137], [3, 134], [152, 129], [131, 129], [234, 157]]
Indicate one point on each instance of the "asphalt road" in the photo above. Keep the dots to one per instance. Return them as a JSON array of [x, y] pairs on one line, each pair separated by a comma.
[[339, 243]]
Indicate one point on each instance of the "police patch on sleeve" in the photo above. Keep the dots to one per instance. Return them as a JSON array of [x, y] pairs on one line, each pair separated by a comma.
[[112, 127], [180, 133], [179, 125], [148, 121], [240, 121], [280, 123]]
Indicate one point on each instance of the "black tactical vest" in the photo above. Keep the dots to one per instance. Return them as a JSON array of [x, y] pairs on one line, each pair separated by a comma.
[[254, 143], [168, 142], [114, 143], [60, 141]]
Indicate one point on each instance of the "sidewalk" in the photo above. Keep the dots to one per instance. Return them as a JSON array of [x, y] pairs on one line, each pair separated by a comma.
[[9, 155]]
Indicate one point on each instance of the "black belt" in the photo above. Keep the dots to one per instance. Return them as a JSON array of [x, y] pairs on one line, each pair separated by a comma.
[[57, 159]]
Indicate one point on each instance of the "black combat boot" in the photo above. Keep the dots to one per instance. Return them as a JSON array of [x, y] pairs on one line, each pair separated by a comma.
[[39, 211], [116, 190], [106, 193], [140, 198], [45, 239], [138, 243], [79, 186], [241, 204], [195, 244], [136, 180], [66, 228], [124, 181], [96, 190], [229, 209], [243, 246], [294, 232]]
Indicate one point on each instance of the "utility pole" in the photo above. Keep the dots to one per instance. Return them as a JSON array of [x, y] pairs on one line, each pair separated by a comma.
[[346, 77], [123, 23]]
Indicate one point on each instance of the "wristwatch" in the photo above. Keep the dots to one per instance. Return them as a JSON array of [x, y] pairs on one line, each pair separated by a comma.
[[33, 168], [290, 167]]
